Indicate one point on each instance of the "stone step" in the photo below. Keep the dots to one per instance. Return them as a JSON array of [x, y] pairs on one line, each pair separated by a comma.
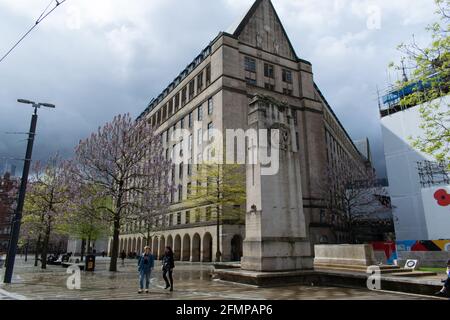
[[415, 274]]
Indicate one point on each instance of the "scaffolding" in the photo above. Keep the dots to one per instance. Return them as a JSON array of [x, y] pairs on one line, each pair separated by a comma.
[[433, 173]]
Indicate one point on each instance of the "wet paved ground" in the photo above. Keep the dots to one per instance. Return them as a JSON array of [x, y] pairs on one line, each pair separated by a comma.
[[192, 282]]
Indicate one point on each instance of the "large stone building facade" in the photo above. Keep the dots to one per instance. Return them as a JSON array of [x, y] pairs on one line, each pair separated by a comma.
[[220, 90]]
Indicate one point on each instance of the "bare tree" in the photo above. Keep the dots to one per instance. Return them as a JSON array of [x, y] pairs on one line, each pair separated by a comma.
[[352, 194]]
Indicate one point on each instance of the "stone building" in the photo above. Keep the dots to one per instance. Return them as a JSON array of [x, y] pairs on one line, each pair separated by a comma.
[[222, 89], [7, 184]]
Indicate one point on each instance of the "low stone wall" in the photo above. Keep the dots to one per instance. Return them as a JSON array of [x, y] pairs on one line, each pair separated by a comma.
[[345, 255], [431, 259]]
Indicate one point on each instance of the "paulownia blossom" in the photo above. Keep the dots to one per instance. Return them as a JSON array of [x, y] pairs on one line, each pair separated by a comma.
[[123, 161]]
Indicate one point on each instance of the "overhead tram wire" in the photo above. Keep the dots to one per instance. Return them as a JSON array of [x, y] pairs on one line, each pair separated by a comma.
[[43, 15]]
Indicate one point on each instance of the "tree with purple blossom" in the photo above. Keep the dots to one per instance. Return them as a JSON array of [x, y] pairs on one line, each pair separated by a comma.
[[123, 161]]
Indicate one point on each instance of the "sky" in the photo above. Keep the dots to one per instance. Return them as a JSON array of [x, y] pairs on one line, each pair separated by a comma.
[[95, 59]]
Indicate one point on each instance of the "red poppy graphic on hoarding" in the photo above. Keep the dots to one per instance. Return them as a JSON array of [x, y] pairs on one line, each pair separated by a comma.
[[442, 197]]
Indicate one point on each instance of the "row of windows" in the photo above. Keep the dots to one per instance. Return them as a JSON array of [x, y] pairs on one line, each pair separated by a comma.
[[182, 97], [173, 219], [198, 114], [269, 70]]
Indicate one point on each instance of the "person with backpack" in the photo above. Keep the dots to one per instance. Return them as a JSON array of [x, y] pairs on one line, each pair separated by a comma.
[[168, 264]]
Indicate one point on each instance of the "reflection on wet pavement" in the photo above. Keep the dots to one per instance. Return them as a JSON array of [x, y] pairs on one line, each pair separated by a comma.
[[192, 282]]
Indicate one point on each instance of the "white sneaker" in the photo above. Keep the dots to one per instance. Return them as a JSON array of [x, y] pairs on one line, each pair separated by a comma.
[[140, 291]]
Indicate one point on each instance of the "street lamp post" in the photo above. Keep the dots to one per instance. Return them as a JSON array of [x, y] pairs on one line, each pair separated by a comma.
[[15, 230]]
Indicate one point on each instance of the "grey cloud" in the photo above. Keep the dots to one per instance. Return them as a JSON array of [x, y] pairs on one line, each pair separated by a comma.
[[80, 72]]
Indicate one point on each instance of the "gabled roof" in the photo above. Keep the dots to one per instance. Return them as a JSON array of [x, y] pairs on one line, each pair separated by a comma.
[[237, 29]]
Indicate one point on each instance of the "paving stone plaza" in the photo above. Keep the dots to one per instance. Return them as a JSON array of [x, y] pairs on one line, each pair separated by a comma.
[[192, 282]]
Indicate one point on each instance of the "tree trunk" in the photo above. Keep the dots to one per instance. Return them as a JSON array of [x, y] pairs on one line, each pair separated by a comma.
[[83, 247], [37, 250], [115, 246], [89, 251], [45, 248], [218, 253]]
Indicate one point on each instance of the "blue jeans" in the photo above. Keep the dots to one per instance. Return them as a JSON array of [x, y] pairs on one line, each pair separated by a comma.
[[144, 276]]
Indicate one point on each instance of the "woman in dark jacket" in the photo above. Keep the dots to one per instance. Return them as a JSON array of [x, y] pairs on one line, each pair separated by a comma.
[[168, 264]]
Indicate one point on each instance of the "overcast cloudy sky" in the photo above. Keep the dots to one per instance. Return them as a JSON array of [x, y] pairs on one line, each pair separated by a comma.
[[97, 58]]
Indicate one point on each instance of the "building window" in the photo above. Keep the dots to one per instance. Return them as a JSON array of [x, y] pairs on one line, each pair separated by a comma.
[[164, 112], [170, 107], [190, 120], [210, 130], [208, 75], [188, 217], [198, 215], [210, 106], [269, 86], [268, 70], [182, 123], [189, 167], [177, 101], [178, 218], [200, 82], [180, 193], [173, 170], [287, 92], [172, 195], [158, 117], [189, 189], [250, 81], [183, 96], [250, 64], [191, 89], [287, 76], [180, 171], [200, 113]]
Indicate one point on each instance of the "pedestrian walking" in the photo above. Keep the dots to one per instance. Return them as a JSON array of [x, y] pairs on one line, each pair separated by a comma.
[[146, 263], [445, 291], [123, 255], [167, 268]]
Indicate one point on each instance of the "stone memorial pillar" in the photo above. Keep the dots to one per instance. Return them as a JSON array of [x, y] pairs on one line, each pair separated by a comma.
[[276, 233]]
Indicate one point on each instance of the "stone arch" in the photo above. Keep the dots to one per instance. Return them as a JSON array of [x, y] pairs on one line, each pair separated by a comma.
[[236, 248], [139, 246], [130, 243], [177, 247], [169, 242], [186, 251], [196, 246], [162, 246], [155, 247], [134, 245], [207, 247]]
